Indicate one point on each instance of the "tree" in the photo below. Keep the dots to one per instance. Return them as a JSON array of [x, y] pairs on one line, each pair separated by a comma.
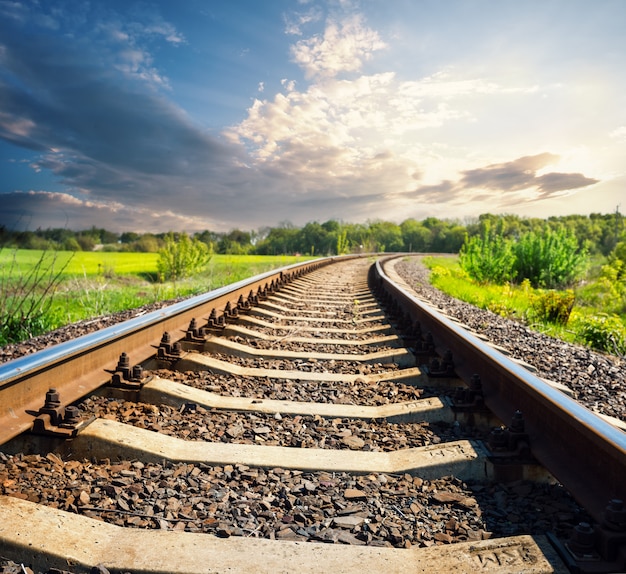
[[415, 236]]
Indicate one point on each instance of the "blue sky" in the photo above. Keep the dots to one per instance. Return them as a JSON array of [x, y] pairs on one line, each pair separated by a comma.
[[206, 114]]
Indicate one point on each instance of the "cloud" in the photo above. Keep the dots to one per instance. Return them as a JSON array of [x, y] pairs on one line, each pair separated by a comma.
[[344, 47], [28, 211], [509, 176], [506, 184], [103, 132], [294, 22], [96, 111]]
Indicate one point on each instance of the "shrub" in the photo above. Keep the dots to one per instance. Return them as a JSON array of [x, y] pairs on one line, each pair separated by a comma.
[[551, 260], [181, 258], [488, 257], [602, 332], [552, 306]]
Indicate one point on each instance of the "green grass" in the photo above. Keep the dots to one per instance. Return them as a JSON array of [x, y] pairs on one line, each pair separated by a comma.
[[516, 302], [80, 263], [94, 284]]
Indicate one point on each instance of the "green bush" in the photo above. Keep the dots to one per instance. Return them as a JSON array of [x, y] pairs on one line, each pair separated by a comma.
[[552, 306], [181, 257], [602, 332], [551, 259], [488, 257]]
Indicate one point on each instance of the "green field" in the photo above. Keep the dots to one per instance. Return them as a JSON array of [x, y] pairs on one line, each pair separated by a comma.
[[91, 284]]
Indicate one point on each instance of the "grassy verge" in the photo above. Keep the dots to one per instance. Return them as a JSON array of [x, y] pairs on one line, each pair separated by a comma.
[[92, 284], [587, 324]]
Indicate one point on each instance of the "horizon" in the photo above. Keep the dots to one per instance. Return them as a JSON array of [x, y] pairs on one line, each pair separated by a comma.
[[243, 115]]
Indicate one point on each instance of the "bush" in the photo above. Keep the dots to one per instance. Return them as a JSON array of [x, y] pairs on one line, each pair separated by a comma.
[[181, 258], [602, 332], [552, 306], [487, 257], [551, 260]]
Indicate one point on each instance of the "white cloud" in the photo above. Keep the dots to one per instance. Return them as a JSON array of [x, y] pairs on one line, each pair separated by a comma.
[[344, 47], [295, 22]]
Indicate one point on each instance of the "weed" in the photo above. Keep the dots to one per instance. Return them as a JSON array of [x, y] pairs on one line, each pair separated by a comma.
[[552, 306], [26, 296], [602, 332]]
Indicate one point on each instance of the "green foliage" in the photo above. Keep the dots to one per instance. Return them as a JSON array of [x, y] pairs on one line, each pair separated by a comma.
[[488, 257], [551, 259], [608, 291], [552, 306], [602, 332], [181, 257], [548, 310], [343, 245]]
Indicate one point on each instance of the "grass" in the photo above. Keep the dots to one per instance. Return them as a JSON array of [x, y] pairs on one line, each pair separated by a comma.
[[94, 284], [586, 321]]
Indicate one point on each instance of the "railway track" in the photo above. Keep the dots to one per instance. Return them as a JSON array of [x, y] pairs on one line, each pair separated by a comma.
[[319, 418]]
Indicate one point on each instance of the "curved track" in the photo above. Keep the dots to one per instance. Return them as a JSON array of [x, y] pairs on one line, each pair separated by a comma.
[[319, 418]]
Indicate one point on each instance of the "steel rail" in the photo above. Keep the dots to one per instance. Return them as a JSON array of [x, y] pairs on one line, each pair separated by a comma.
[[76, 368], [583, 451]]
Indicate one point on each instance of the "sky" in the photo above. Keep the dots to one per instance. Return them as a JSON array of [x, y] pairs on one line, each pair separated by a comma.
[[155, 115]]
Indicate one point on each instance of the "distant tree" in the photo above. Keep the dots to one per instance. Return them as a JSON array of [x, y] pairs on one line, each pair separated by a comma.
[[129, 237], [147, 243], [86, 242], [235, 242], [71, 244], [416, 237], [386, 236]]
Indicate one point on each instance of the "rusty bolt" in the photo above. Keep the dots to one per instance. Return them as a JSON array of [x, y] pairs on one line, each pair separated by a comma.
[[123, 363], [498, 438], [475, 383], [72, 416], [53, 399], [583, 538], [517, 424], [615, 515]]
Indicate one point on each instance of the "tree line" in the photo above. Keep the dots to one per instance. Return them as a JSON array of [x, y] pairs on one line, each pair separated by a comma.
[[596, 233]]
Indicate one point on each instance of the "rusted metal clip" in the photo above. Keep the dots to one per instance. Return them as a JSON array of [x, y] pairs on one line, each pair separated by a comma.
[[598, 548], [441, 367], [194, 333], [230, 312], [243, 305], [470, 397], [53, 419], [215, 322], [424, 346], [512, 441], [167, 350], [125, 377]]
